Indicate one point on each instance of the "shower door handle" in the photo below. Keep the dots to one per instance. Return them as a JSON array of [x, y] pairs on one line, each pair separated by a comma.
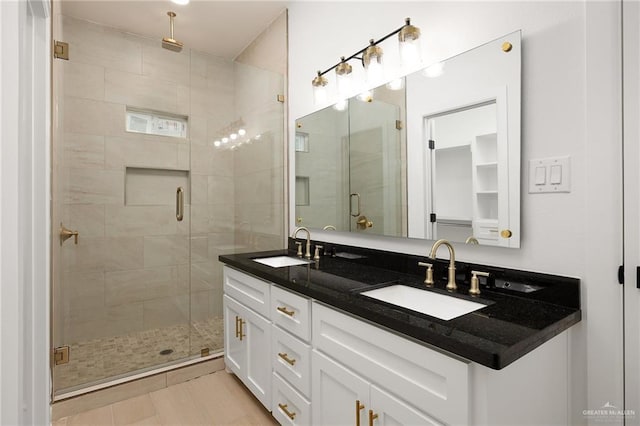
[[179, 204]]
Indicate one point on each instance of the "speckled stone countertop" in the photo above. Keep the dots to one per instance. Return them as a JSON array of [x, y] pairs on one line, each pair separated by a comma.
[[510, 326]]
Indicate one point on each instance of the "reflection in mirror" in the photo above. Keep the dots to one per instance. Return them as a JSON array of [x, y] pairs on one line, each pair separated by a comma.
[[463, 147], [368, 167], [351, 176]]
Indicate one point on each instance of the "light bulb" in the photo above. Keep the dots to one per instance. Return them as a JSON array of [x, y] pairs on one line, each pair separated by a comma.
[[242, 132], [396, 84], [233, 136], [435, 70], [225, 140], [341, 105]]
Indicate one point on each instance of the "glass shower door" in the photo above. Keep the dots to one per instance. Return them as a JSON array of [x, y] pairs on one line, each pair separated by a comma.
[[121, 191]]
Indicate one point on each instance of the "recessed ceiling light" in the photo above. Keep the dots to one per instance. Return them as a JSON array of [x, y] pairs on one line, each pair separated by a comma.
[[180, 2]]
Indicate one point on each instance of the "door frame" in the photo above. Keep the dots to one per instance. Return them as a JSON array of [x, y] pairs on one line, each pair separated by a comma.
[[24, 216]]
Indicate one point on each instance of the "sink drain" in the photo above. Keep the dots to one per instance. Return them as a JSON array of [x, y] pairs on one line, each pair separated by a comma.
[[166, 352]]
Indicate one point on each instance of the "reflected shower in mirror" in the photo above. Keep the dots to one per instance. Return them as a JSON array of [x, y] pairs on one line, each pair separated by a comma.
[[439, 158]]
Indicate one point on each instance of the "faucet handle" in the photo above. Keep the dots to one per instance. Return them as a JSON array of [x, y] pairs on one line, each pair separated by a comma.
[[299, 245], [428, 280], [475, 282], [316, 253]]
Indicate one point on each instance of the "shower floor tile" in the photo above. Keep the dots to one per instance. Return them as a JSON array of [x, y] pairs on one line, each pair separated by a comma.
[[97, 360]]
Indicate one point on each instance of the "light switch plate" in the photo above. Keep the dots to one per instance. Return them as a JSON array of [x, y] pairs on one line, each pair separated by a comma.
[[556, 169]]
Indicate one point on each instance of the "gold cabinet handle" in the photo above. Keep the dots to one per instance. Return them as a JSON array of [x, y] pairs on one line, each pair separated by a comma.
[[285, 311], [359, 406], [179, 204], [285, 357], [237, 329], [357, 213], [372, 417], [241, 323], [66, 233], [289, 414]]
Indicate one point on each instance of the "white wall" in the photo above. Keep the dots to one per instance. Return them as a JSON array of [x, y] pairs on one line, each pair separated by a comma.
[[570, 106]]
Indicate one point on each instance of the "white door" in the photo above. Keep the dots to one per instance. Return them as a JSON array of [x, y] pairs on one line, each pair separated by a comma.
[[387, 410], [631, 131], [340, 397], [234, 349], [256, 335]]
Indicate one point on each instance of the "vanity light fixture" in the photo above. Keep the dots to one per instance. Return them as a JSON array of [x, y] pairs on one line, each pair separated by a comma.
[[371, 59], [171, 43]]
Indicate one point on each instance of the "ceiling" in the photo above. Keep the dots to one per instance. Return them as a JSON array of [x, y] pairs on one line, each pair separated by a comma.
[[221, 28]]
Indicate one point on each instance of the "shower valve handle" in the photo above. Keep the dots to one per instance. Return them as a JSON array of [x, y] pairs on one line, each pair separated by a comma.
[[66, 233]]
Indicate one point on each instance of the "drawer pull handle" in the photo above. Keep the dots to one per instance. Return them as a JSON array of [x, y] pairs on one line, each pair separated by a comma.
[[289, 414], [359, 406], [372, 417], [237, 328], [286, 358], [285, 311]]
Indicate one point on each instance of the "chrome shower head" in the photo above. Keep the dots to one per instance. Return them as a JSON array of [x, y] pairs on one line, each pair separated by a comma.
[[169, 42]]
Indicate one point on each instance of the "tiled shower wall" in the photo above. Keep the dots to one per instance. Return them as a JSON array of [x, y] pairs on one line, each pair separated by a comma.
[[135, 267]]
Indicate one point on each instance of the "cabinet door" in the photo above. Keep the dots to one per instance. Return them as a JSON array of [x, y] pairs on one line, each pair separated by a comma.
[[234, 351], [392, 411], [339, 396], [257, 339]]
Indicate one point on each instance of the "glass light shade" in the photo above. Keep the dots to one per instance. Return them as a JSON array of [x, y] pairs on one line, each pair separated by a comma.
[[410, 53], [242, 132], [373, 67], [409, 39], [396, 84], [319, 84], [233, 136], [225, 140], [344, 78]]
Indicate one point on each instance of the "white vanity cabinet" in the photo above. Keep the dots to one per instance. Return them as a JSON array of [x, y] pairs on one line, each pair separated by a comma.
[[247, 333], [400, 381]]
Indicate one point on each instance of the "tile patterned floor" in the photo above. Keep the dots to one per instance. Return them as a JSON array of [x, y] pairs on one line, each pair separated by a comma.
[[96, 360]]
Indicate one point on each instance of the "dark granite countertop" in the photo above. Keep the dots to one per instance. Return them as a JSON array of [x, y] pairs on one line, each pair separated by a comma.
[[510, 326]]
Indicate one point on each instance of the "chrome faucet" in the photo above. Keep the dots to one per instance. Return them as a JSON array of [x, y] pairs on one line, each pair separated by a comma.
[[451, 284], [307, 252]]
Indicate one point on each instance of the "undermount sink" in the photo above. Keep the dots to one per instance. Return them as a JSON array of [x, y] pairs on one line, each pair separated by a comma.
[[281, 261], [424, 301]]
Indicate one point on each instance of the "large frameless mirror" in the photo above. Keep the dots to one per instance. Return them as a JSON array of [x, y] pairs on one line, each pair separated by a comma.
[[435, 157]]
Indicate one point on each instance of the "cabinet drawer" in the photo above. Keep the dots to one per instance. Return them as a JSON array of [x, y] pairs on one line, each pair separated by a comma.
[[289, 407], [291, 359], [422, 376], [250, 291], [291, 312]]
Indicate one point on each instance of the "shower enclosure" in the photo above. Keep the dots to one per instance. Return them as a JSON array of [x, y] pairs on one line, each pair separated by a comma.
[[146, 196]]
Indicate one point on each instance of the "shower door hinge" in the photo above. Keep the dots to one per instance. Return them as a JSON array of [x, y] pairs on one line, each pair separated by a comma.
[[204, 352], [61, 50], [61, 355], [399, 124], [280, 98], [432, 144]]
